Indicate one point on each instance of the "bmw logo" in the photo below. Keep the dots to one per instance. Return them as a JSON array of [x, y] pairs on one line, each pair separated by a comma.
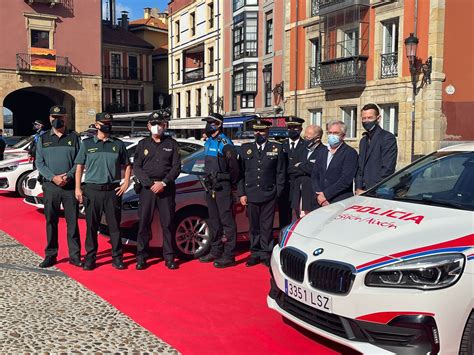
[[318, 251]]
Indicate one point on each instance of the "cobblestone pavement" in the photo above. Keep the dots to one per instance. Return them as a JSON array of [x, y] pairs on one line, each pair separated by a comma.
[[44, 311]]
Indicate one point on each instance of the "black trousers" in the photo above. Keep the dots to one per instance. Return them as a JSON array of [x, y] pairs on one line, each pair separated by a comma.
[[97, 202], [261, 216], [221, 222], [165, 203], [284, 207], [54, 196]]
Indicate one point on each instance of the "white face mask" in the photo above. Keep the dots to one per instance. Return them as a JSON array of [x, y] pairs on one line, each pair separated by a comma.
[[156, 130]]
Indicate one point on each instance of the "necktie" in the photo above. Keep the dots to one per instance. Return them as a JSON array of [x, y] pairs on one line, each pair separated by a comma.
[[292, 146], [259, 150]]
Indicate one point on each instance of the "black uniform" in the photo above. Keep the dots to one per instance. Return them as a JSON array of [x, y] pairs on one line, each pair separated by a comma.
[[156, 162], [3, 144], [222, 171], [103, 160], [55, 156], [262, 182]]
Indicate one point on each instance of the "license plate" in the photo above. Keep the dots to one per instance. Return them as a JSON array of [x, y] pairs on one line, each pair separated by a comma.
[[311, 298]]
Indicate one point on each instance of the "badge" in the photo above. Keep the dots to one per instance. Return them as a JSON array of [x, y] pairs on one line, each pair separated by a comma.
[[249, 151], [167, 149], [70, 143], [275, 149], [113, 148], [56, 109], [145, 152]]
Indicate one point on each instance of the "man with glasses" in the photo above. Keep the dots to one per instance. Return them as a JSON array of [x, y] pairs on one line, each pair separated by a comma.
[[335, 168], [157, 165], [103, 157], [263, 181]]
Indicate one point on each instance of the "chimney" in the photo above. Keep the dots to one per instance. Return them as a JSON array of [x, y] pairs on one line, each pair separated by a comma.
[[146, 16], [124, 20], [112, 12]]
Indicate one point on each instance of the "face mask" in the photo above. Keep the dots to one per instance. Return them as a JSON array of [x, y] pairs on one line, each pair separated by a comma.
[[294, 135], [369, 125], [260, 139], [312, 142], [333, 140], [106, 128], [57, 123], [37, 128], [156, 130], [210, 129]]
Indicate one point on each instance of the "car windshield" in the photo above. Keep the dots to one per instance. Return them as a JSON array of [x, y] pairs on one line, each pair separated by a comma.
[[23, 142], [194, 163], [444, 179]]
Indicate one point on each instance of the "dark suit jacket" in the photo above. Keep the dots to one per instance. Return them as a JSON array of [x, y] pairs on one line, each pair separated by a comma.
[[335, 181], [377, 158], [304, 191], [292, 160]]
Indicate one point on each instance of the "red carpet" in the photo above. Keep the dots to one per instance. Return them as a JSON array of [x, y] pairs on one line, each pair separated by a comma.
[[197, 309]]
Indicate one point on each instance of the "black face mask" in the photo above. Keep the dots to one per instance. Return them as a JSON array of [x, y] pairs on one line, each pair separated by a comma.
[[313, 142], [294, 135], [260, 139], [57, 123], [210, 129], [369, 125], [106, 128]]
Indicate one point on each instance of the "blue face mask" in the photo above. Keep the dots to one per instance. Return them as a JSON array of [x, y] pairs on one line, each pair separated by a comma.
[[334, 140], [260, 139]]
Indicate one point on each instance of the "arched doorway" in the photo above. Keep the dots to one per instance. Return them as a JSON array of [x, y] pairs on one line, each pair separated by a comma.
[[30, 104]]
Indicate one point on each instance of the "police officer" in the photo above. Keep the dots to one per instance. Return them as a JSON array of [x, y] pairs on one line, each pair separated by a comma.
[[263, 180], [103, 157], [56, 151], [157, 164], [222, 171], [292, 149], [39, 128]]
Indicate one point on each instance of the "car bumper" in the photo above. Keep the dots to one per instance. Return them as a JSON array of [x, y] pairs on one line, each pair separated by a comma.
[[7, 183]]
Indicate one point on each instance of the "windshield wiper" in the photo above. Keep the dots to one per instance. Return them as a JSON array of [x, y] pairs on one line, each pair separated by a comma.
[[432, 202]]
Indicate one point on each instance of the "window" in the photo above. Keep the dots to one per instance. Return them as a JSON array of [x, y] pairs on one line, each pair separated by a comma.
[[315, 69], [389, 120], [116, 65], [351, 43], [178, 30], [239, 81], [188, 103], [133, 100], [389, 56], [178, 105], [192, 23], [117, 97], [198, 102], [269, 34], [349, 117], [234, 102], [133, 67], [39, 39], [178, 69], [210, 14], [210, 58], [317, 117], [245, 35], [238, 4], [245, 78], [247, 101], [268, 86]]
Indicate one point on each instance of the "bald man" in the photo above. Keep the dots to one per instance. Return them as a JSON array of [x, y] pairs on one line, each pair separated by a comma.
[[303, 196]]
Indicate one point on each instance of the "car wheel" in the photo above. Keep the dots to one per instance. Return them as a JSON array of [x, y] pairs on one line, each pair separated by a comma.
[[19, 184], [467, 341], [191, 237]]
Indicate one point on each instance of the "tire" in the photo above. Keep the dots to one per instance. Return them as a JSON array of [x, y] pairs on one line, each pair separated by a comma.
[[19, 184], [191, 237], [467, 340]]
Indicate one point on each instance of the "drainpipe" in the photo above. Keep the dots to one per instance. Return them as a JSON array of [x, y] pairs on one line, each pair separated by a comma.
[[414, 92], [296, 56]]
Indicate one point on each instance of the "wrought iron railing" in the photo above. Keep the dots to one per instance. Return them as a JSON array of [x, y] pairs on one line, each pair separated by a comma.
[[314, 8], [63, 65], [121, 73], [68, 4], [314, 76], [389, 65], [343, 72], [327, 6], [193, 75]]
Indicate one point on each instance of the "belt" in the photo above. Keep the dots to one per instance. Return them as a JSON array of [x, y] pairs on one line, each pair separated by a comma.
[[103, 187]]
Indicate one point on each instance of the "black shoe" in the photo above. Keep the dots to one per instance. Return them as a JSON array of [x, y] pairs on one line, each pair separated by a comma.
[[118, 264], [252, 261], [170, 264], [75, 261], [223, 263], [48, 262], [141, 265], [88, 265], [208, 258], [266, 262]]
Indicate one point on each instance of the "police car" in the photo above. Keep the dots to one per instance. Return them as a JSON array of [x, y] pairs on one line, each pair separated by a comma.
[[390, 271], [14, 171]]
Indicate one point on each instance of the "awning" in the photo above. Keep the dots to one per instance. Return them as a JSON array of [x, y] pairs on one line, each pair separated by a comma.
[[187, 123], [231, 122]]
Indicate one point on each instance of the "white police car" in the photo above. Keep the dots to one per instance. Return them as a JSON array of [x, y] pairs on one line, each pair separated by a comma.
[[390, 271]]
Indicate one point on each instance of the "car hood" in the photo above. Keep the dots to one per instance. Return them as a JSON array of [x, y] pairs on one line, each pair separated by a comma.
[[14, 159], [385, 228]]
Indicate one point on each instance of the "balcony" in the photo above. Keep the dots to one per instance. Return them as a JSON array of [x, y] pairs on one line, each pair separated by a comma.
[[190, 76], [60, 65], [68, 4], [328, 6], [343, 73], [314, 76], [110, 73], [389, 65], [315, 8], [118, 108]]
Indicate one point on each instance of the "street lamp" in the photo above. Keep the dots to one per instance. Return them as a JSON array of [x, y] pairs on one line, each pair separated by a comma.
[[219, 101], [416, 68]]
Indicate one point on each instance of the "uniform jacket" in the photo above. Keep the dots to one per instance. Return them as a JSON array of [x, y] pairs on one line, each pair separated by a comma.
[[335, 181], [263, 174], [292, 160], [303, 191], [378, 158], [221, 157]]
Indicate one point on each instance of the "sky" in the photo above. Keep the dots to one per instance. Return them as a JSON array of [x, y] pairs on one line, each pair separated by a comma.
[[135, 7]]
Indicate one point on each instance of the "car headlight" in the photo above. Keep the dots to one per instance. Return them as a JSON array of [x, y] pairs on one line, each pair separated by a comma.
[[425, 273], [6, 169]]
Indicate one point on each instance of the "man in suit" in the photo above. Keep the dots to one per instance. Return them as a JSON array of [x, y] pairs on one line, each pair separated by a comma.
[[378, 151], [263, 180], [303, 197], [292, 149], [335, 167]]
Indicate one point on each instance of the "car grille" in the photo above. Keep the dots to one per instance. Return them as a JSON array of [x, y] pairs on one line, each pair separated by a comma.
[[293, 263], [330, 276], [31, 183]]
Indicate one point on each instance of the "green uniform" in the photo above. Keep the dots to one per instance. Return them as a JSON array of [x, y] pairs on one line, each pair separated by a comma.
[[55, 156]]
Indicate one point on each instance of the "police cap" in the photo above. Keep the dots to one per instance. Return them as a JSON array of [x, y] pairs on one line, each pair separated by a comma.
[[260, 123], [294, 121], [57, 110], [156, 116], [103, 117], [38, 122], [214, 117]]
